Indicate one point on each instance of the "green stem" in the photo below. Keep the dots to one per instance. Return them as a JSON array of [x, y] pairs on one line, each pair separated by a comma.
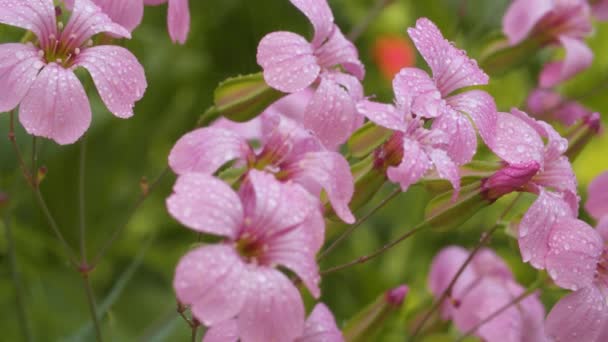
[[81, 200], [92, 306]]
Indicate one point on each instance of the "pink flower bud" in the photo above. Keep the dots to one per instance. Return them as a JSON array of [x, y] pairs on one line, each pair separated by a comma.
[[510, 178], [397, 295]]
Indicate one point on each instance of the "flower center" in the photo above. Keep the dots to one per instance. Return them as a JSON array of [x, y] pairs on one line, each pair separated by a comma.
[[250, 248]]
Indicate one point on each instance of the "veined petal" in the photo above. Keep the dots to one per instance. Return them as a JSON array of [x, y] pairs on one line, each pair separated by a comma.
[[56, 106], [88, 20], [227, 331], [579, 316], [452, 68], [128, 14], [250, 130], [19, 66], [446, 168], [320, 16], [480, 106], [384, 115], [516, 142], [338, 50], [461, 134], [578, 58], [414, 165], [273, 310], [212, 280], [118, 76], [548, 212], [574, 251], [178, 20], [288, 61], [559, 175], [487, 264], [597, 200], [321, 326], [415, 91], [205, 150], [331, 113], [37, 16], [330, 171], [522, 16], [206, 204], [556, 144]]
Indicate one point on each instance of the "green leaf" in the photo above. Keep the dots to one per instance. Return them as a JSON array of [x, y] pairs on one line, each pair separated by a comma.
[[366, 139], [443, 213], [243, 98]]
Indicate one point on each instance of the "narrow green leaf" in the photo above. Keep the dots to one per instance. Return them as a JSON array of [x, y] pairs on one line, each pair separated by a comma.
[[366, 139]]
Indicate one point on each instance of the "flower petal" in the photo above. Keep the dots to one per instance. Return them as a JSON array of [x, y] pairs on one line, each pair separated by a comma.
[[128, 14], [19, 66], [522, 16], [547, 213], [206, 204], [288, 61], [321, 326], [330, 171], [56, 106], [578, 58], [320, 16], [384, 115], [461, 134], [559, 176], [273, 311], [452, 68], [480, 106], [205, 150], [516, 142], [597, 200], [227, 331], [339, 51], [600, 10], [414, 165], [37, 16], [446, 168], [580, 316], [88, 20], [250, 130], [331, 114], [178, 20], [415, 91], [118, 76], [574, 251], [556, 144], [212, 280], [488, 264]]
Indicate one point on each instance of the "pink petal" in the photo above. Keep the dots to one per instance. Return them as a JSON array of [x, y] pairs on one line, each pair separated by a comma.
[[545, 215], [574, 251], [37, 16], [321, 326], [285, 139], [516, 142], [415, 91], [461, 134], [578, 58], [532, 313], [227, 331], [212, 280], [178, 20], [288, 61], [250, 130], [331, 114], [559, 175], [542, 100], [446, 168], [118, 76], [480, 106], [88, 20], [273, 310], [330, 171], [154, 2], [600, 10], [597, 200], [602, 227], [296, 250], [339, 51], [522, 16], [205, 150], [56, 106], [488, 264], [556, 145], [452, 68], [19, 66], [580, 316], [272, 207], [382, 114], [292, 106], [128, 14], [206, 204], [320, 16], [414, 165]]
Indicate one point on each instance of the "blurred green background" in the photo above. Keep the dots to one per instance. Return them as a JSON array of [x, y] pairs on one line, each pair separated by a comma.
[[133, 282]]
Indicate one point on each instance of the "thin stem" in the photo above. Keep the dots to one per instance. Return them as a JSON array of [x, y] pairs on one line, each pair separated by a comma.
[[144, 195], [448, 291], [11, 136], [34, 171], [375, 11], [81, 200], [194, 331], [92, 306], [352, 228], [24, 323]]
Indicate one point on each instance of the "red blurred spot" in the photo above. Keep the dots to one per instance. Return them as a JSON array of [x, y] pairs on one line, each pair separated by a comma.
[[393, 53]]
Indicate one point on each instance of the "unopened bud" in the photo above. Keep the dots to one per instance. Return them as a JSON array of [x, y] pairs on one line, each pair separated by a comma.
[[589, 127], [397, 295], [509, 179]]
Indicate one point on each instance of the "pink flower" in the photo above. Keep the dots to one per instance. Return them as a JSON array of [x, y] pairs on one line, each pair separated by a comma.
[[549, 105], [40, 78], [178, 18], [485, 286], [291, 64], [563, 22], [267, 224], [289, 152], [428, 97], [597, 201], [600, 9]]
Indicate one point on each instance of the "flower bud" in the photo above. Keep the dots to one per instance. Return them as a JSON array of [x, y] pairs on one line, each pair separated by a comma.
[[509, 179], [589, 127]]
